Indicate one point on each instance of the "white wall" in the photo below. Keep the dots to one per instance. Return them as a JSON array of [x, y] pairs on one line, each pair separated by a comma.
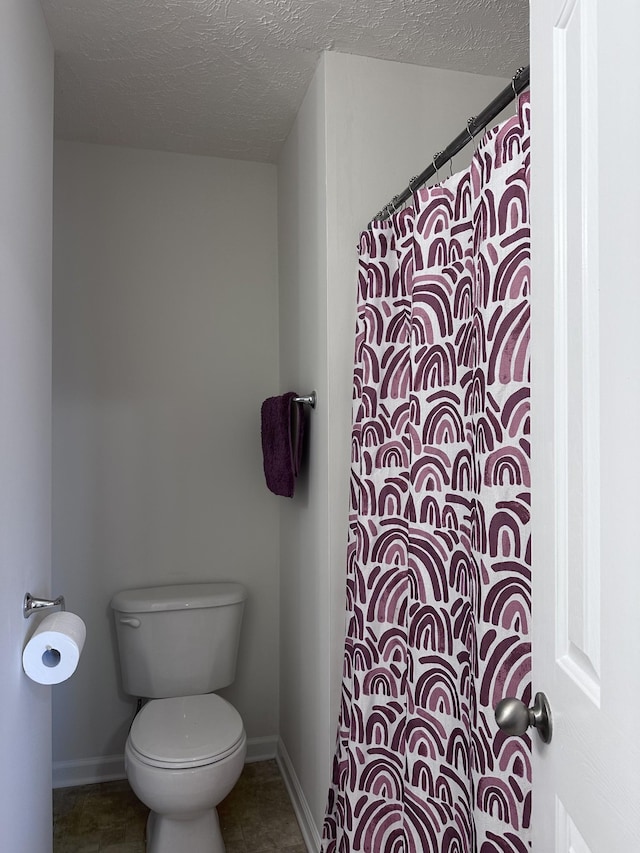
[[165, 343], [366, 127], [26, 131], [304, 581]]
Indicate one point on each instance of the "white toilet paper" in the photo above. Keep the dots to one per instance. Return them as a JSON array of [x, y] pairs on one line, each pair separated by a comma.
[[53, 652]]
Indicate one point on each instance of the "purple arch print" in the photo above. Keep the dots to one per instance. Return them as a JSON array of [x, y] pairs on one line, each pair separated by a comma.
[[438, 587]]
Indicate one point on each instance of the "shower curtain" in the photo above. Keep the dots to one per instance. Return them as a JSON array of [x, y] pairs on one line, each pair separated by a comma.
[[438, 563]]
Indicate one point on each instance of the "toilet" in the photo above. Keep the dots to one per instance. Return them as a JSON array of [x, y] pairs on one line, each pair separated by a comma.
[[187, 746]]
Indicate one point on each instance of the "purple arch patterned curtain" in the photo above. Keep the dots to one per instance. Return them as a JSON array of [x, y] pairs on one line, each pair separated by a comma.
[[438, 578]]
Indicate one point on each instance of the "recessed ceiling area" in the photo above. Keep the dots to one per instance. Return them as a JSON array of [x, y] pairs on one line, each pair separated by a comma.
[[226, 77]]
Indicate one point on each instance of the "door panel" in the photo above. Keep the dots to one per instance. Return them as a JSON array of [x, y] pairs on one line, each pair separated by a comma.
[[577, 475], [586, 411]]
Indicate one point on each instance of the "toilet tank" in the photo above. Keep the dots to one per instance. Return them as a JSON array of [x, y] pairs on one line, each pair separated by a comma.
[[178, 640]]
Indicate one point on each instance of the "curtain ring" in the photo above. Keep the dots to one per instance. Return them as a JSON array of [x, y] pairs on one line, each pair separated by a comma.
[[513, 86], [470, 121], [435, 157], [513, 81]]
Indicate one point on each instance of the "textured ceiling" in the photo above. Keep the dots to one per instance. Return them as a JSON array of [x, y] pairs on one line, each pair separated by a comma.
[[226, 77]]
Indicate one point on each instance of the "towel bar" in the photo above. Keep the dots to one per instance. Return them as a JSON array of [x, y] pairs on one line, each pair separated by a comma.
[[309, 400]]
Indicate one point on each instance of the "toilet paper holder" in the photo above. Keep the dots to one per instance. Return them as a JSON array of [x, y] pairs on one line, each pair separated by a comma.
[[33, 605]]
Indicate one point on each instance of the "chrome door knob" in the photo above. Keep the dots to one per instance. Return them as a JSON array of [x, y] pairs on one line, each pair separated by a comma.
[[514, 718]]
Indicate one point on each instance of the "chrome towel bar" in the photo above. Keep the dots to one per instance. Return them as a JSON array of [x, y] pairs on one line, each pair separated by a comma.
[[309, 400]]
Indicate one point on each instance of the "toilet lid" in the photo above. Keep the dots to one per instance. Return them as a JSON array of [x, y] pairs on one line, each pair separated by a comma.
[[186, 731]]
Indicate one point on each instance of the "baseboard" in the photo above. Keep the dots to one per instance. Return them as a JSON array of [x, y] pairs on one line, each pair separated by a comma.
[[308, 828], [108, 768], [261, 748], [88, 771]]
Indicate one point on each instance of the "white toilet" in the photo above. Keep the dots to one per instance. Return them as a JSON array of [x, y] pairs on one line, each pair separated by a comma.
[[187, 746]]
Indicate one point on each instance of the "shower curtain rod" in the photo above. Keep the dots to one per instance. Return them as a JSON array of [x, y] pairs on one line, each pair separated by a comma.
[[475, 124]]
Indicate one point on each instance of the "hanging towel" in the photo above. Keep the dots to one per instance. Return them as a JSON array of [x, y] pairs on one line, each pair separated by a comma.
[[282, 431]]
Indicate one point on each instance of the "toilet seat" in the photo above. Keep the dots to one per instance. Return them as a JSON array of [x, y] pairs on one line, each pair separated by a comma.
[[186, 731]]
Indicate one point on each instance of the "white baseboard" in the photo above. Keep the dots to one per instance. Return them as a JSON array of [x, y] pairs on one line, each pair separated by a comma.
[[308, 828], [261, 748], [108, 768], [88, 771]]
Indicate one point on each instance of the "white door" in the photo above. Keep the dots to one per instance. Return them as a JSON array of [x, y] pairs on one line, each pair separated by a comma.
[[586, 421], [26, 132]]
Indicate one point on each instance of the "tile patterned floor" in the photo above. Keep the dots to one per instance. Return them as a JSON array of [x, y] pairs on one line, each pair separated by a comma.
[[108, 818]]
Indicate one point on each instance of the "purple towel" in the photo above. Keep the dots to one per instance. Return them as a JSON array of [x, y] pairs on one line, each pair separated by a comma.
[[282, 430]]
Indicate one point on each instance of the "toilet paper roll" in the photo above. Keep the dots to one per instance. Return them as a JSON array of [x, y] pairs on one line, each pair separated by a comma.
[[53, 652]]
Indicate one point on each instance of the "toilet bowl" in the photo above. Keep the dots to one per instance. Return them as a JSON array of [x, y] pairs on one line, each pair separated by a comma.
[[182, 757]]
